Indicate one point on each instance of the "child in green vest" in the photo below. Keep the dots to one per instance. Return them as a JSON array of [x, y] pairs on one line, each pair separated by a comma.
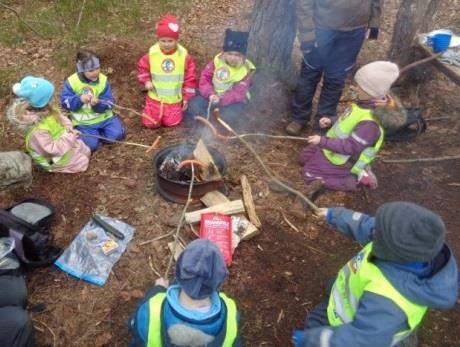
[[167, 72], [380, 297], [87, 95], [341, 158], [51, 140], [191, 311], [225, 81]]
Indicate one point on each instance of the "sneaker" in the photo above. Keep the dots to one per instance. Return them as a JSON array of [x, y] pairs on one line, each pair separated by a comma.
[[294, 128]]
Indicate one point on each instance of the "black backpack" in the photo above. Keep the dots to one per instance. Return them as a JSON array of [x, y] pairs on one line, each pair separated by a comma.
[[28, 222], [414, 126]]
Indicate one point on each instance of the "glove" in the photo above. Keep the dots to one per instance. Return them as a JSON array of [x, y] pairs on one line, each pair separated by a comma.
[[367, 179], [373, 33], [298, 338], [307, 46]]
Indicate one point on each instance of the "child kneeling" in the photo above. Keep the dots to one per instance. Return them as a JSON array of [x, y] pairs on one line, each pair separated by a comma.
[[51, 140], [226, 80], [191, 312], [341, 159]]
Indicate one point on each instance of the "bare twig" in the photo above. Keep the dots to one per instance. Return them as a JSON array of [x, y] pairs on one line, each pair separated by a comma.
[[431, 119], [80, 14], [157, 238], [418, 62], [181, 221], [271, 136], [153, 268], [46, 326], [289, 222], [117, 141], [20, 19], [264, 167], [316, 250], [421, 159]]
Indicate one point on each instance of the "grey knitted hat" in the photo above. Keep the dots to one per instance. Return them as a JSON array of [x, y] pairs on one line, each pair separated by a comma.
[[407, 232], [200, 269]]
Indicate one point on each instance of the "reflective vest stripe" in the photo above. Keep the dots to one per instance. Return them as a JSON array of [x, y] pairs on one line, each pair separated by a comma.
[[225, 76], [56, 130], [167, 74], [86, 115], [155, 309], [358, 276], [343, 128]]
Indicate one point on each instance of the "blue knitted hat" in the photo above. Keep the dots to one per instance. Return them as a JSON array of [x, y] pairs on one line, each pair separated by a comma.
[[200, 269], [236, 41], [37, 91]]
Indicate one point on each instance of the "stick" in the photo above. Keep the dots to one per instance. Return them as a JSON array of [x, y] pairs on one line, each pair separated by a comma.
[[157, 238], [20, 19], [289, 222], [264, 167], [271, 136], [152, 268], [181, 221], [80, 14], [422, 61], [46, 326], [420, 159], [149, 148]]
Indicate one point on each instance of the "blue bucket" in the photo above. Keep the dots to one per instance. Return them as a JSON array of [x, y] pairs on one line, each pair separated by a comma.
[[440, 42]]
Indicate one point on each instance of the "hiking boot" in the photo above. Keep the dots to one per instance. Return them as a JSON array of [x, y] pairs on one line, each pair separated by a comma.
[[299, 207], [275, 187], [294, 128]]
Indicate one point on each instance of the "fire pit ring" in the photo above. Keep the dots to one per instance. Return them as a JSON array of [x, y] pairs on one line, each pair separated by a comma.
[[177, 191]]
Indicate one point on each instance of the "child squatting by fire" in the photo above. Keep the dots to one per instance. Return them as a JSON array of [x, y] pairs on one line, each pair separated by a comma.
[[341, 159], [225, 81], [50, 138], [167, 72]]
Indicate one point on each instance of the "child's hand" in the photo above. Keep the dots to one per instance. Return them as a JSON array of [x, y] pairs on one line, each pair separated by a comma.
[[325, 122], [148, 85], [321, 212], [314, 139], [86, 98], [94, 100], [162, 282], [214, 99]]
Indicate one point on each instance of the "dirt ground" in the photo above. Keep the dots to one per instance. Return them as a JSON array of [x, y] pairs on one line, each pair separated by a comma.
[[278, 276]]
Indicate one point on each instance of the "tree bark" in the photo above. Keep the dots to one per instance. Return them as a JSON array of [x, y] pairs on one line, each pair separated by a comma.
[[414, 16], [271, 37]]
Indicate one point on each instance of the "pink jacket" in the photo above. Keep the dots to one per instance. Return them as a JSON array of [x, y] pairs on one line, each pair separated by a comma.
[[42, 143], [236, 94]]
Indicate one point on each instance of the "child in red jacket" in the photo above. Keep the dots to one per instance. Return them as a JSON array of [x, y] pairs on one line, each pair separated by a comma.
[[168, 73]]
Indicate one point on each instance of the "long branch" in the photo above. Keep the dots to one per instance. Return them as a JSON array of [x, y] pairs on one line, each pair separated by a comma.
[[181, 221], [421, 159], [270, 136], [265, 168], [20, 19]]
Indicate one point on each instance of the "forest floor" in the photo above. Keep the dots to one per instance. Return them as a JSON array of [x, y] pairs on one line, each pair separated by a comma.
[[277, 277]]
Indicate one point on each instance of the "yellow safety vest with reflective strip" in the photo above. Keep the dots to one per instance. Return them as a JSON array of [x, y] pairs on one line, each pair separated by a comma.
[[225, 75], [56, 130], [155, 321], [86, 115], [360, 275], [167, 74], [343, 128]]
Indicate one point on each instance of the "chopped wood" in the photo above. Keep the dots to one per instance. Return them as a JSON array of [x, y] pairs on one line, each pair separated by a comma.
[[179, 248], [228, 208], [215, 197], [249, 202], [210, 172]]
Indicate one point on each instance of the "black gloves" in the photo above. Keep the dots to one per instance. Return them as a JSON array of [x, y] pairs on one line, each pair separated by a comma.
[[373, 33]]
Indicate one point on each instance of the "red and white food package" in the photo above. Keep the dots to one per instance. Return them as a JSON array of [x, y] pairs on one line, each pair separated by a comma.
[[217, 227]]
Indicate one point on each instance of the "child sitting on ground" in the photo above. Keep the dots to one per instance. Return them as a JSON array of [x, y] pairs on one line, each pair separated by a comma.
[[88, 96], [167, 72], [341, 159], [380, 297], [51, 140], [191, 312], [226, 80]]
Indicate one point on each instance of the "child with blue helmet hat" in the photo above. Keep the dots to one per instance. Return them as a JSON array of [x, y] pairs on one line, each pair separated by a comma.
[[50, 138]]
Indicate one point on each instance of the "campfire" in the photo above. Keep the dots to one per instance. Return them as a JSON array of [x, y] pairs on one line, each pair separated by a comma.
[[173, 166]]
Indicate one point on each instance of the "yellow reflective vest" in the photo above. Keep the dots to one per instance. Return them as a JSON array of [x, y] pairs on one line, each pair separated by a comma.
[[167, 74], [56, 130], [86, 115], [155, 321], [360, 275], [343, 128], [225, 75]]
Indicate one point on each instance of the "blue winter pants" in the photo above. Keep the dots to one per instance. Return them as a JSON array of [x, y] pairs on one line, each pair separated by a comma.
[[233, 114], [111, 128], [332, 59]]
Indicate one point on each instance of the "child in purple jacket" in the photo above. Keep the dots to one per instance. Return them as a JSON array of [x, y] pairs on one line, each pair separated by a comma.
[[341, 159], [225, 81]]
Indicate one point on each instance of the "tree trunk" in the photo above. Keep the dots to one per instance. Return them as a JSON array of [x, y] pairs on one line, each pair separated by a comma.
[[271, 37], [414, 16]]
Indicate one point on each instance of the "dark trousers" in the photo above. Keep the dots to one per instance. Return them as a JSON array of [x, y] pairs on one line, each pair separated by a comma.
[[16, 328], [233, 114], [334, 57]]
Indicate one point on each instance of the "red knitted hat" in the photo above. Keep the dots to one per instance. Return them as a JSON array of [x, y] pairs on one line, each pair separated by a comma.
[[168, 27]]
